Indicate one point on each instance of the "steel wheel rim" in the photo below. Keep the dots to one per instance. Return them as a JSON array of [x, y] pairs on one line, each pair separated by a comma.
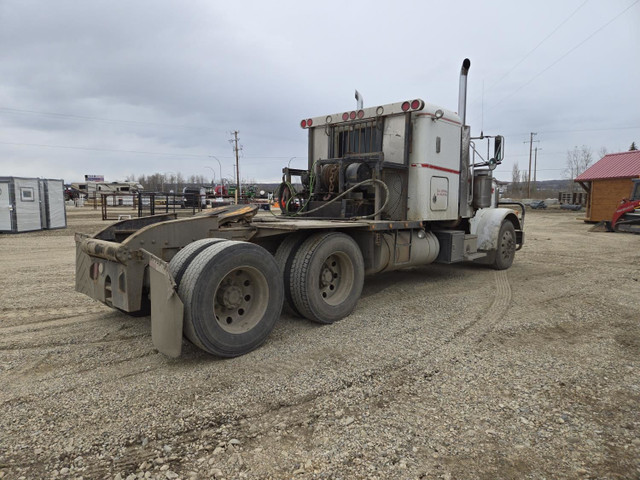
[[337, 276], [508, 245], [240, 300]]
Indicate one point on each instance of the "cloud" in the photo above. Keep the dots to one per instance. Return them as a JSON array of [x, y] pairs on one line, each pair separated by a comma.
[[174, 79]]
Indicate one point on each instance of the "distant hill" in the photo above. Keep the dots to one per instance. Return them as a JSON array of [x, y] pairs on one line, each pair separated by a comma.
[[559, 185], [551, 185]]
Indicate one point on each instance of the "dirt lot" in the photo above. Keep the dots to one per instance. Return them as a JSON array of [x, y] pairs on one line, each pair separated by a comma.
[[442, 372]]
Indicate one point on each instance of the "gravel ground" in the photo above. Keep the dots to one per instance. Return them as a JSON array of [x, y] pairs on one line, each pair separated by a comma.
[[452, 372]]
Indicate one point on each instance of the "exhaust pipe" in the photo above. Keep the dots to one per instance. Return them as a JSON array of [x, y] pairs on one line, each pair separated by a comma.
[[359, 100], [462, 95]]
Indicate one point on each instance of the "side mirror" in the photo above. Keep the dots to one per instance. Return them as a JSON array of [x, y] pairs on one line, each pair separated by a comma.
[[498, 148]]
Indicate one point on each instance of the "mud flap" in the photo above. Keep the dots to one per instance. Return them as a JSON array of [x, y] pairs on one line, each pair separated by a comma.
[[166, 309]]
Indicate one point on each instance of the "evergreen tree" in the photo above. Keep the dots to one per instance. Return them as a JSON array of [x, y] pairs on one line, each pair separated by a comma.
[[633, 147]]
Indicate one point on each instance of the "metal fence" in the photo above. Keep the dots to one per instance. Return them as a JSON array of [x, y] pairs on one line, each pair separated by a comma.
[[116, 206]]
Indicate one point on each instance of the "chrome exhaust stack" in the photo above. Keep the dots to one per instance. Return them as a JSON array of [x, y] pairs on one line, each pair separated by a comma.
[[465, 209], [359, 100], [462, 95]]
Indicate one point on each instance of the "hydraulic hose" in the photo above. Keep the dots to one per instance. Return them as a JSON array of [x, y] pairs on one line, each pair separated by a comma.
[[336, 198]]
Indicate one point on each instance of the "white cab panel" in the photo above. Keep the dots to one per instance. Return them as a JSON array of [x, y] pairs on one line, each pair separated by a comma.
[[434, 165]]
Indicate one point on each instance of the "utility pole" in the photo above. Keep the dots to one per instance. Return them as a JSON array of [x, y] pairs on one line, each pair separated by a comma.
[[530, 155], [535, 169], [236, 149]]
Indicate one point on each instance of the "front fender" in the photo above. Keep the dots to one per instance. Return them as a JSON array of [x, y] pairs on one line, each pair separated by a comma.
[[486, 225]]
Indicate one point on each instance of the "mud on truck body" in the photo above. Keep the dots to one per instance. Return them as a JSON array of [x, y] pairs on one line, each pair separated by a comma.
[[386, 187]]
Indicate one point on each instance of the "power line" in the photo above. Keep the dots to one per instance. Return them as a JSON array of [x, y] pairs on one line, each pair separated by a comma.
[[97, 119], [95, 149], [637, 127], [547, 132], [540, 170], [566, 54], [142, 152], [538, 45], [137, 122], [526, 154]]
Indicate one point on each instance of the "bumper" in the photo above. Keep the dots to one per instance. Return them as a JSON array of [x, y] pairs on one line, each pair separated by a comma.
[[107, 272]]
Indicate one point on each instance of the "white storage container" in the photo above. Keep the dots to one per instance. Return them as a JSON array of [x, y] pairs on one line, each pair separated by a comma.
[[28, 204]]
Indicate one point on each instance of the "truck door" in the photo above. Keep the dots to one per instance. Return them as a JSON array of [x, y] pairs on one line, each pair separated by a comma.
[[5, 208]]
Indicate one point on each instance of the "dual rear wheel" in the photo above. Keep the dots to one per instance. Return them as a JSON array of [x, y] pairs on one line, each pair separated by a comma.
[[233, 292], [324, 277]]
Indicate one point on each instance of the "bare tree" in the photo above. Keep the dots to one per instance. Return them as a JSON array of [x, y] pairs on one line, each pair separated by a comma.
[[515, 178], [156, 182], [602, 152], [578, 160], [524, 178]]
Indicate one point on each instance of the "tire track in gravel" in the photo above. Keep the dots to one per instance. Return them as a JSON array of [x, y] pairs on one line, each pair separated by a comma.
[[67, 343], [51, 318], [478, 329], [85, 378], [399, 370], [389, 375], [80, 329], [499, 307]]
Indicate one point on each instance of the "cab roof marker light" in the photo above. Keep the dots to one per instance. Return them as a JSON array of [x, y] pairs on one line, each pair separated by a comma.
[[396, 108]]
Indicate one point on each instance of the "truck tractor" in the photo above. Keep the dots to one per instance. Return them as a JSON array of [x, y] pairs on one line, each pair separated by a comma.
[[386, 187]]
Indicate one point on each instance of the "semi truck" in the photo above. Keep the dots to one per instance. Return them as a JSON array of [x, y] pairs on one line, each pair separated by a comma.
[[386, 187]]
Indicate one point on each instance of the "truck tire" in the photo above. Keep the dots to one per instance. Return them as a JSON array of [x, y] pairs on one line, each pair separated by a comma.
[[506, 251], [179, 263], [284, 258], [326, 277], [232, 294]]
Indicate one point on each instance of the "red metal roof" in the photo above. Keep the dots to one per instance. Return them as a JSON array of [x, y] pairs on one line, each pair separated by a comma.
[[614, 165]]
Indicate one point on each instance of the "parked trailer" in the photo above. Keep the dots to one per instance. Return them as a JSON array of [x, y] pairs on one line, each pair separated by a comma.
[[386, 187]]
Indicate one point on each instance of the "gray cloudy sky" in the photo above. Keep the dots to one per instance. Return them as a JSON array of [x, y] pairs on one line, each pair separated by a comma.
[[120, 88]]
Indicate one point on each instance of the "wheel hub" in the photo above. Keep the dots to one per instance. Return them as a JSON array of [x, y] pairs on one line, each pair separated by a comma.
[[240, 300], [231, 296], [326, 277]]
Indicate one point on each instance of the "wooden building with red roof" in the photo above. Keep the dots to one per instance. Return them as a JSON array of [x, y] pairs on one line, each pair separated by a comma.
[[607, 182]]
